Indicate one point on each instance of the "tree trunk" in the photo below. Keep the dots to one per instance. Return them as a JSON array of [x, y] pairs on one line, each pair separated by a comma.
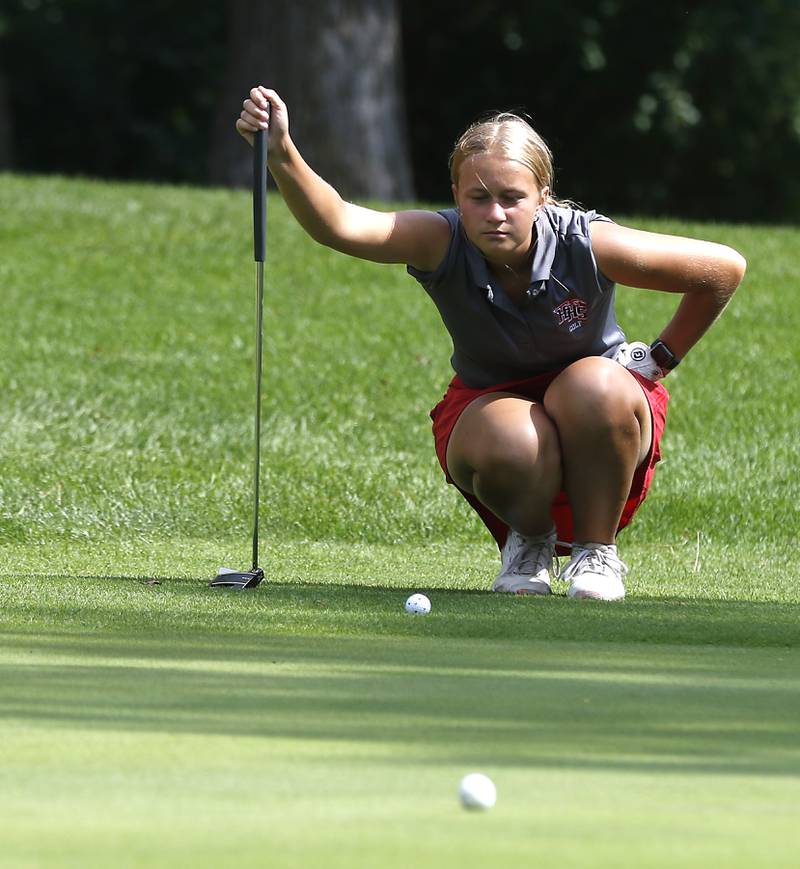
[[337, 64]]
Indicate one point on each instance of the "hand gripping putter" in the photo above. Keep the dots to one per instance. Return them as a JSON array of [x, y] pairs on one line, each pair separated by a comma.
[[227, 578]]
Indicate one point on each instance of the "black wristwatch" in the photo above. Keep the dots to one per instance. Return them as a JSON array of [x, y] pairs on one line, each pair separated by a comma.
[[663, 356]]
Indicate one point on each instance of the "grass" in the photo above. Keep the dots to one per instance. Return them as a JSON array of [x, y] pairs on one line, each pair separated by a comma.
[[321, 726], [312, 722]]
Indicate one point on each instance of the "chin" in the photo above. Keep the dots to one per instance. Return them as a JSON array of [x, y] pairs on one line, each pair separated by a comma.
[[503, 248]]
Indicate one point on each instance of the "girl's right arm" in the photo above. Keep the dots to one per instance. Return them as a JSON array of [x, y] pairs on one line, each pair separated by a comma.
[[418, 238]]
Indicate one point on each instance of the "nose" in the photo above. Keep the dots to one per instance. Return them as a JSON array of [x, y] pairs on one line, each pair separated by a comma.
[[497, 212]]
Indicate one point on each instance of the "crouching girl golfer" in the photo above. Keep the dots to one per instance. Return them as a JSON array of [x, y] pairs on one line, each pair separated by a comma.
[[551, 426]]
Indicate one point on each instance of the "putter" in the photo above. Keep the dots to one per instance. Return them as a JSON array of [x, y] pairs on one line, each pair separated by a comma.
[[226, 577]]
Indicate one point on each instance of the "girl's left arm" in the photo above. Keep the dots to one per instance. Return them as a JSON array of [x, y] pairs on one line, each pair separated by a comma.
[[707, 274]]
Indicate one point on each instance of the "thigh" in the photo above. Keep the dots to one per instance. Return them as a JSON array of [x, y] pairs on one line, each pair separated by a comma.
[[499, 427]]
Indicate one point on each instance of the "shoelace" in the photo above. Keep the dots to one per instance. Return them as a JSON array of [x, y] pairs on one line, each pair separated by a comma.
[[532, 556], [595, 560]]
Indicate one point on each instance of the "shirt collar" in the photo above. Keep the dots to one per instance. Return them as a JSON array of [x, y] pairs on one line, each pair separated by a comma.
[[543, 255], [545, 252]]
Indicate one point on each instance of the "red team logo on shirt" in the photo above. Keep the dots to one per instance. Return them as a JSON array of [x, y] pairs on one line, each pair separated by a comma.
[[571, 313]]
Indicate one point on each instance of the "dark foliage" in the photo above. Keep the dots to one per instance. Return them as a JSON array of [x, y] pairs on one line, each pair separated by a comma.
[[664, 108]]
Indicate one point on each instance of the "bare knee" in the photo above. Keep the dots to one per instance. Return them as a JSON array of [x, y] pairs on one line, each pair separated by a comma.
[[594, 389], [508, 441], [598, 397], [518, 454]]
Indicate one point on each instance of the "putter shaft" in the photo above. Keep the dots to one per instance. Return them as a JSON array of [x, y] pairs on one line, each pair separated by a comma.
[[260, 145], [227, 578], [259, 352]]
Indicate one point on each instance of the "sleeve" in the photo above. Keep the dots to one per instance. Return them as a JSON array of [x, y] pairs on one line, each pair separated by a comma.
[[587, 217], [429, 280], [594, 215], [575, 245]]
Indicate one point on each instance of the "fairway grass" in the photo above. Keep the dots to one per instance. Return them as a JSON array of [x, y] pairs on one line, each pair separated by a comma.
[[149, 721]]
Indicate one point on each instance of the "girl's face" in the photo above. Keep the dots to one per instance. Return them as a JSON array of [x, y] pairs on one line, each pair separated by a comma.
[[498, 199]]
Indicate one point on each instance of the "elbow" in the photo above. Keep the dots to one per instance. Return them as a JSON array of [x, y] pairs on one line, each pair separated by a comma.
[[735, 267], [728, 273]]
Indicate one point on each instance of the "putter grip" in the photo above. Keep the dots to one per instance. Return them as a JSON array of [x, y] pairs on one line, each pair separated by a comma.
[[259, 195]]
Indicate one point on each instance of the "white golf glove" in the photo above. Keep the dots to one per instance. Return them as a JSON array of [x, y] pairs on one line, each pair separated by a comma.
[[636, 357]]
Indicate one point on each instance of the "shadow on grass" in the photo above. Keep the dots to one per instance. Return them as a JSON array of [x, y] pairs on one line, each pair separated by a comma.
[[110, 604], [590, 706]]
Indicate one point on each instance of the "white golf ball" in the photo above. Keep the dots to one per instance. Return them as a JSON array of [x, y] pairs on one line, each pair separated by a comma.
[[418, 604], [477, 791]]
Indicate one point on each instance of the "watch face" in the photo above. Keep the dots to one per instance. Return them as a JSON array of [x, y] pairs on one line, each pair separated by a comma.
[[663, 356]]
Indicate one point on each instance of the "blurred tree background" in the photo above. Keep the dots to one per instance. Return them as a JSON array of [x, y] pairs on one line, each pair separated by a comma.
[[675, 108], [340, 63]]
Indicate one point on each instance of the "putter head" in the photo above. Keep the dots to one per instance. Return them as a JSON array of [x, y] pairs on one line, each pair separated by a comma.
[[227, 578]]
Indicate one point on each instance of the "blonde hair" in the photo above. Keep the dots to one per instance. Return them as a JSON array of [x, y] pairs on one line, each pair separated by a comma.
[[512, 137]]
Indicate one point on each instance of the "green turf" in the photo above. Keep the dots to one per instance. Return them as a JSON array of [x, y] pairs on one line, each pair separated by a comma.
[[150, 721], [322, 726]]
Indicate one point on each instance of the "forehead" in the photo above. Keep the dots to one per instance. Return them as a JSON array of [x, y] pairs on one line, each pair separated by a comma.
[[496, 172]]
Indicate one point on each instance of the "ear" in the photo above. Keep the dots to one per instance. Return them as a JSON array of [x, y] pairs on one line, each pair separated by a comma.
[[454, 190], [544, 193]]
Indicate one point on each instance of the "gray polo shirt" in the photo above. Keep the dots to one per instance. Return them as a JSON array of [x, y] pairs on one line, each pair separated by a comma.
[[569, 313]]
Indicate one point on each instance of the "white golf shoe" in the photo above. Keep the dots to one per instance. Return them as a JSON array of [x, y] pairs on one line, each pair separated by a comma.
[[528, 563], [595, 571]]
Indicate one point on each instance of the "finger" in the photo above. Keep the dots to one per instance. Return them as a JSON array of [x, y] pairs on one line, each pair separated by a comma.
[[269, 98], [250, 123], [246, 124], [252, 114], [267, 93], [262, 96], [245, 131]]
